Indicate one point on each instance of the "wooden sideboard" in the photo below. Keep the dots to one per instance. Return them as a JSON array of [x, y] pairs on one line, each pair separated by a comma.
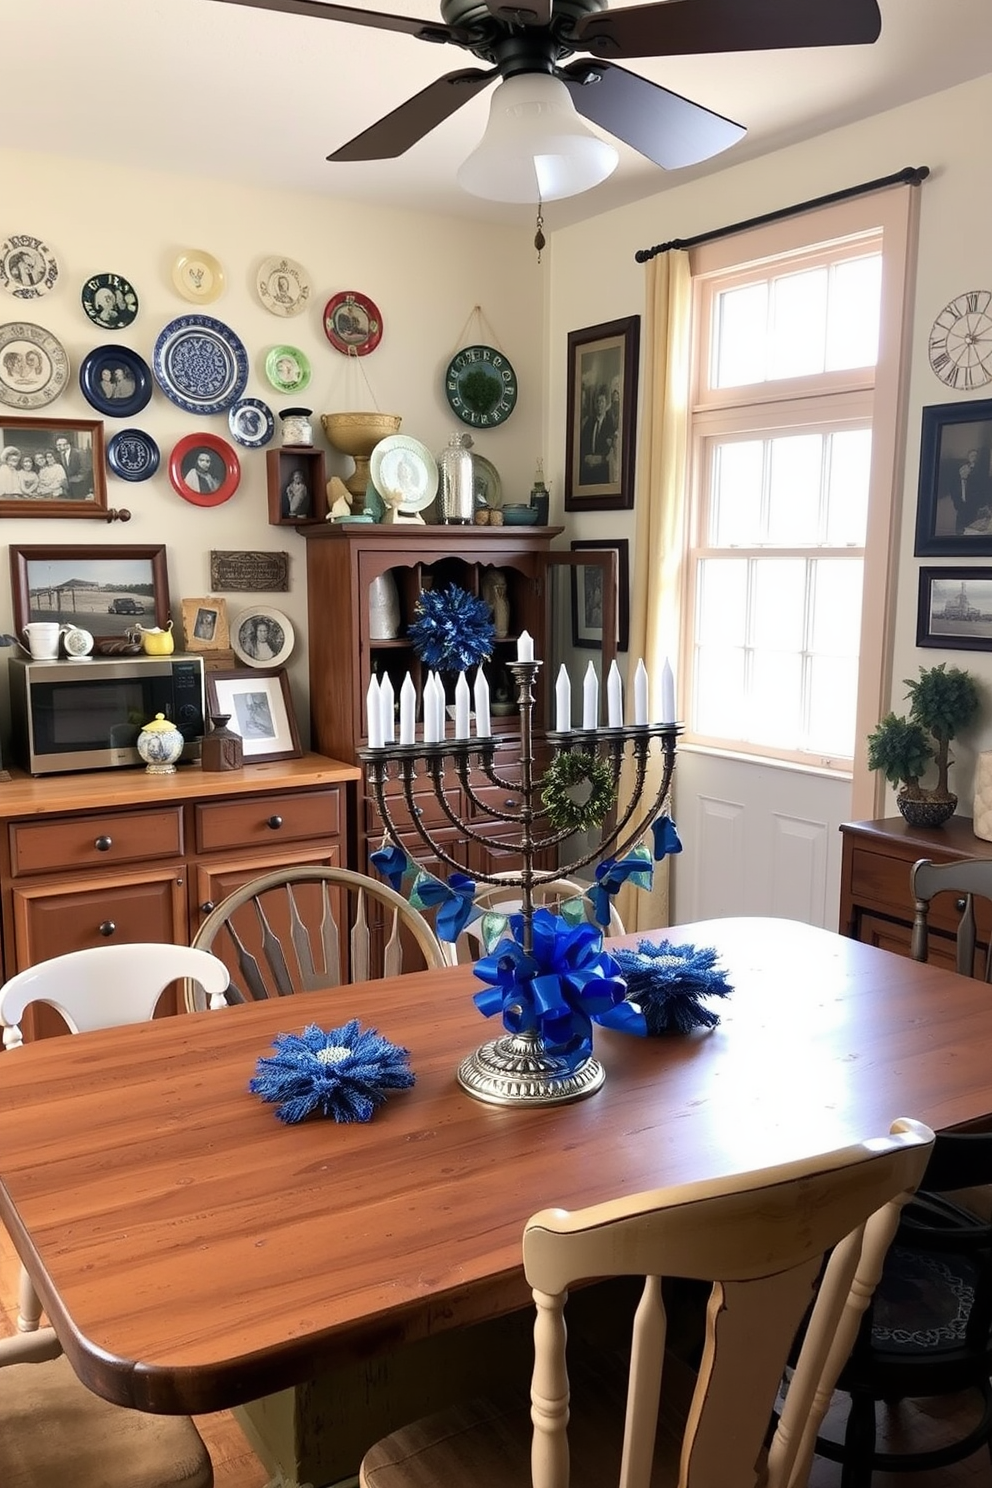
[[121, 855], [876, 905]]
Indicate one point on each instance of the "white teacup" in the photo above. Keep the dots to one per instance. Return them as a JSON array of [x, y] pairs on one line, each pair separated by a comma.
[[43, 639]]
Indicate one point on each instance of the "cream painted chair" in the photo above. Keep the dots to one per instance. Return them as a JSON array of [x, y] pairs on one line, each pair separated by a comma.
[[53, 1429], [298, 929], [760, 1240], [504, 899]]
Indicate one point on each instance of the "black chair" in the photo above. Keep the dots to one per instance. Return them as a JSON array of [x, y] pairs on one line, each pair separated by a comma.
[[928, 1330]]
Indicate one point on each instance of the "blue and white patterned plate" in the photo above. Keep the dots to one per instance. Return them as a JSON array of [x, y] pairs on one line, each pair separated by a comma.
[[251, 423], [200, 364], [132, 455]]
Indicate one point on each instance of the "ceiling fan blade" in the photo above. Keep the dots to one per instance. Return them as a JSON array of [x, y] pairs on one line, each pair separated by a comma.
[[664, 126], [701, 26], [317, 9], [397, 131]]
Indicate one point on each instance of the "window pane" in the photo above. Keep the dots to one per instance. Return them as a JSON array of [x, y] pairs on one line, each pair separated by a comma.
[[847, 488], [739, 334], [775, 704], [779, 607], [852, 325], [794, 496], [721, 602], [836, 625], [833, 697], [735, 510], [719, 692], [799, 324]]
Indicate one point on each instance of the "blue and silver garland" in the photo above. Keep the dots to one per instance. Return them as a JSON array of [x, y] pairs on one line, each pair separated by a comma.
[[345, 1073], [453, 630]]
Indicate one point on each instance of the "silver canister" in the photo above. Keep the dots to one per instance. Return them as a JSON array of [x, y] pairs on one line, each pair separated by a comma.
[[456, 499]]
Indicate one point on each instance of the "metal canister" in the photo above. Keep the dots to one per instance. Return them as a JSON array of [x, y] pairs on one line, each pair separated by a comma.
[[456, 497]]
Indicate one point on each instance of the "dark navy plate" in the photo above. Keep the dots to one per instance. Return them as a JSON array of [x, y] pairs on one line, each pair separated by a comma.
[[132, 455], [116, 381]]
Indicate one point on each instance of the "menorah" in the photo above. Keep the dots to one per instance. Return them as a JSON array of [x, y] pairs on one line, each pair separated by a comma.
[[516, 1068]]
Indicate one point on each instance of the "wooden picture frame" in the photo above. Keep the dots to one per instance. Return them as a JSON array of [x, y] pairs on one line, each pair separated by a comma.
[[66, 477], [296, 485], [954, 611], [587, 624], [600, 435], [954, 502], [205, 626], [102, 588], [260, 706]]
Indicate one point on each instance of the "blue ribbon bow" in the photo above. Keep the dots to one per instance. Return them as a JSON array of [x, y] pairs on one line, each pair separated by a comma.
[[453, 900], [557, 989], [612, 874], [393, 864], [666, 838]]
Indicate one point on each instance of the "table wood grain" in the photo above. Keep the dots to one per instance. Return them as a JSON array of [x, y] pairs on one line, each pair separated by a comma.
[[194, 1252]]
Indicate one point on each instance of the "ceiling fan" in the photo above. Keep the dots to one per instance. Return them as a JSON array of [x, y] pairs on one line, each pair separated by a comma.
[[533, 40]]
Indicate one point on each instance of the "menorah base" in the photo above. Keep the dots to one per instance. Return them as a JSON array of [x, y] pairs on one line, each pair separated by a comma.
[[517, 1070]]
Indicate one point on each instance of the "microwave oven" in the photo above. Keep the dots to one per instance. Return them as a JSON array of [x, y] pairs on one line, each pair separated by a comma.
[[87, 714]]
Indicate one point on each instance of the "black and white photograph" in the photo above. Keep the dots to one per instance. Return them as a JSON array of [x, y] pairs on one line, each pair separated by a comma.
[[954, 511], [104, 590], [587, 595], [262, 637], [52, 467], [260, 707], [204, 469], [203, 472], [296, 499], [602, 401], [205, 625], [955, 609]]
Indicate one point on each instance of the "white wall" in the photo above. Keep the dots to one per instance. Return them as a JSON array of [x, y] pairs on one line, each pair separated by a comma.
[[596, 279], [426, 274]]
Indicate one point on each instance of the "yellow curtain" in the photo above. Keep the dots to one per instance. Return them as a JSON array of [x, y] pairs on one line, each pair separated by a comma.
[[659, 515]]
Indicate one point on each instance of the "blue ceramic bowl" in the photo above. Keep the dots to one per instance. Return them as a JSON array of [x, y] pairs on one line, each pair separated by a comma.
[[520, 516]]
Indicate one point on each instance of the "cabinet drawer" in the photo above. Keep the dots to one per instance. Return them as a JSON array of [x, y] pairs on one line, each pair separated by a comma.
[[426, 805], [51, 919], [496, 796], [267, 821], [883, 882], [95, 841]]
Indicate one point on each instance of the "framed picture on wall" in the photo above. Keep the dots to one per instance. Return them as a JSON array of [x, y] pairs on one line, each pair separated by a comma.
[[954, 506], [601, 415], [52, 468], [587, 596], [105, 590], [955, 609]]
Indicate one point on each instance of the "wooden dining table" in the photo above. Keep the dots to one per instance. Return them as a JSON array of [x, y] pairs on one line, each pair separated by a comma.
[[193, 1252]]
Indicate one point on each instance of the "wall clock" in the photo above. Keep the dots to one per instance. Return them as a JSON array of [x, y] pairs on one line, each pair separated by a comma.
[[480, 386], [961, 341]]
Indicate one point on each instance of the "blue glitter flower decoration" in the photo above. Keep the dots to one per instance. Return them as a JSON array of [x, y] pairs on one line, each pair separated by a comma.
[[345, 1073], [664, 985], [453, 629]]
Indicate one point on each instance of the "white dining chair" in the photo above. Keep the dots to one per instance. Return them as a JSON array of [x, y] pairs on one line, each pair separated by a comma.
[[505, 899]]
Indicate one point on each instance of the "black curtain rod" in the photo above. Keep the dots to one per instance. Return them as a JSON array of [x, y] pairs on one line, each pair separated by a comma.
[[911, 176]]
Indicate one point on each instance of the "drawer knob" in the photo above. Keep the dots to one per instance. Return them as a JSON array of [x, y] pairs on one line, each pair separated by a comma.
[[107, 928], [510, 801], [275, 822], [960, 904], [206, 906], [103, 844]]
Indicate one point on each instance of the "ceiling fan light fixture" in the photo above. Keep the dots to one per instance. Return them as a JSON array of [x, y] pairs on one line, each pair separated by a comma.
[[535, 148]]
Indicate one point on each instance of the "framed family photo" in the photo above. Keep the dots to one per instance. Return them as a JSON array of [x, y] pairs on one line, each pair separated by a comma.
[[52, 468], [205, 625], [587, 596], [102, 589], [601, 416], [954, 505], [955, 609], [260, 707]]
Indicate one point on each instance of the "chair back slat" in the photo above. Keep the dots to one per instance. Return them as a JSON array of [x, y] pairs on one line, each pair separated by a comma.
[[274, 954], [967, 880], [392, 956], [360, 941], [330, 938], [308, 975], [251, 972]]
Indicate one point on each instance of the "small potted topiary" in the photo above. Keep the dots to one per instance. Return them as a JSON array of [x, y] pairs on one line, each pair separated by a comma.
[[942, 701]]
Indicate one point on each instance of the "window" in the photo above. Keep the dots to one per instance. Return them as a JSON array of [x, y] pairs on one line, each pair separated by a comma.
[[781, 467]]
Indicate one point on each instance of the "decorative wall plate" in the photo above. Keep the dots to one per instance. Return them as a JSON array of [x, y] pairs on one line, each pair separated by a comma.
[[34, 368], [262, 637], [480, 386], [198, 276], [200, 364], [132, 455], [251, 423], [28, 268], [283, 286], [352, 323], [115, 381], [486, 482], [288, 369], [404, 472], [109, 301], [204, 469]]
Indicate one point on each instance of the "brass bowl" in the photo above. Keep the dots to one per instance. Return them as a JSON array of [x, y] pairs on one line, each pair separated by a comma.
[[357, 434]]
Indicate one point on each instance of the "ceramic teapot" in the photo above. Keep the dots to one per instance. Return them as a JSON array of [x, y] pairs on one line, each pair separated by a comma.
[[155, 641]]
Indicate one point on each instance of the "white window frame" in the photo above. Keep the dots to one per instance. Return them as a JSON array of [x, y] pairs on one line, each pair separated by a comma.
[[891, 213]]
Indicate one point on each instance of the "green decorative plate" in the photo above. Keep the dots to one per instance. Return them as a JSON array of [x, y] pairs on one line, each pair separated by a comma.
[[481, 386], [288, 369]]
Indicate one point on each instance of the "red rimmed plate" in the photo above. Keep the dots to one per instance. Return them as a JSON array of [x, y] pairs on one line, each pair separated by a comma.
[[204, 470], [352, 323]]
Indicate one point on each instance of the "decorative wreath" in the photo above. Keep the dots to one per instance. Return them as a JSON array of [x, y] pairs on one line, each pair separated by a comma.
[[564, 773], [453, 630]]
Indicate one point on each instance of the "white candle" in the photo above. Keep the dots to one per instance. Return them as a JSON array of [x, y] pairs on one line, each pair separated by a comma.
[[641, 693], [614, 697], [525, 646], [387, 709], [590, 698], [408, 710], [563, 700], [462, 699], [430, 711], [667, 694], [439, 712], [373, 713], [483, 727]]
